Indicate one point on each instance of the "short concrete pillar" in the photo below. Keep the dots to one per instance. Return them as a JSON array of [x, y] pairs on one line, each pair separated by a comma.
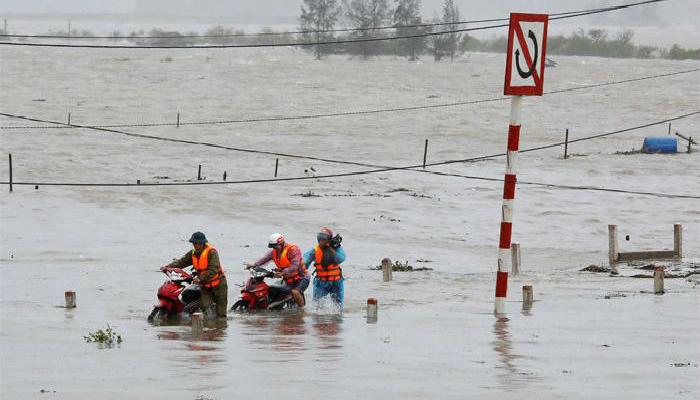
[[659, 280], [70, 299], [612, 244], [372, 308], [528, 297], [197, 324], [515, 258], [386, 270], [678, 240]]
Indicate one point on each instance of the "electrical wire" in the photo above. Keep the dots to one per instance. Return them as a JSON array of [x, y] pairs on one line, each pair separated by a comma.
[[325, 42], [378, 168], [344, 113], [305, 32]]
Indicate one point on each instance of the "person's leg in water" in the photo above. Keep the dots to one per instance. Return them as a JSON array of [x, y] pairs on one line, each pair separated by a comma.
[[297, 291], [206, 300], [220, 294], [337, 293], [320, 289]]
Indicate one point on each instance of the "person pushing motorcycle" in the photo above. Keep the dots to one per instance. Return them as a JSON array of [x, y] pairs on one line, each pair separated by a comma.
[[210, 273], [287, 259]]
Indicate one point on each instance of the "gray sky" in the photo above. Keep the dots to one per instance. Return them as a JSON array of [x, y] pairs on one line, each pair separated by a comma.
[[671, 21]]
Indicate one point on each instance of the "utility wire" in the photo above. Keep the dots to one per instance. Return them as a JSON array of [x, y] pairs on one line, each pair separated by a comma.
[[377, 170], [345, 113], [302, 32], [326, 42]]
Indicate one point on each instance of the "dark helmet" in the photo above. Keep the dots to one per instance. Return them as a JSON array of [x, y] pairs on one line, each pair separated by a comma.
[[198, 238]]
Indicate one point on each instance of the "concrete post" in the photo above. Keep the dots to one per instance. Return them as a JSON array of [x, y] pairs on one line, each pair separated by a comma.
[[197, 324], [372, 308], [612, 245], [659, 280], [515, 258], [678, 240], [70, 299], [386, 270]]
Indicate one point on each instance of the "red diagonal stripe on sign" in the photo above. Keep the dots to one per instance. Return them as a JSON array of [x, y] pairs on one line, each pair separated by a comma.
[[526, 53]]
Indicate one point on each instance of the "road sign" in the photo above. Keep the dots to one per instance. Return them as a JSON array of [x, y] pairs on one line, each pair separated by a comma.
[[527, 44]]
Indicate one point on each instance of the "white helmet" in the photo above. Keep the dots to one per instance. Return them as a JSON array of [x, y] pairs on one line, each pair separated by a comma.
[[276, 239]]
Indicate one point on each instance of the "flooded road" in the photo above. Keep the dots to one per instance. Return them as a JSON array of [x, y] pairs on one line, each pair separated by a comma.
[[436, 336]]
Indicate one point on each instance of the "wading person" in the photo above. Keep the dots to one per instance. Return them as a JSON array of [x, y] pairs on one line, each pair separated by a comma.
[[287, 259], [327, 256], [210, 274]]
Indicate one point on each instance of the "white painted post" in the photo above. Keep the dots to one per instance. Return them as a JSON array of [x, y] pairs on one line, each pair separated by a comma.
[[659, 280], [197, 324], [612, 245], [515, 258], [678, 240], [372, 308], [528, 297], [386, 270], [507, 204], [70, 299]]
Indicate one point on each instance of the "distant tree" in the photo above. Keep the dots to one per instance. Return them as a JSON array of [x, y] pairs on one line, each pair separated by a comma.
[[365, 15], [407, 13], [450, 14], [319, 16]]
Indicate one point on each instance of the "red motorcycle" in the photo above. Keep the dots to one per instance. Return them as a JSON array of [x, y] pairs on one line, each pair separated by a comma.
[[258, 295], [176, 295]]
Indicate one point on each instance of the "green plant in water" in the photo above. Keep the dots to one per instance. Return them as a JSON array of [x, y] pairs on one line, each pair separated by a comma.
[[104, 336]]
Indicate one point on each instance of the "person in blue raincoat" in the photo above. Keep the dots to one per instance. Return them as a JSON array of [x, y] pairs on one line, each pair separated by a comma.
[[326, 257]]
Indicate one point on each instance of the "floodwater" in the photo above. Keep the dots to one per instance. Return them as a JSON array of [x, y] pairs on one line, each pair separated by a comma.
[[436, 335]]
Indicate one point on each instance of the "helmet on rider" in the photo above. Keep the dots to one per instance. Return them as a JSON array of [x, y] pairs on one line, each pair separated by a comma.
[[276, 241], [324, 234]]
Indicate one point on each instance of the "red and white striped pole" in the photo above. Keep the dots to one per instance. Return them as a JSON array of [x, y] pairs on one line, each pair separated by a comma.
[[508, 203]]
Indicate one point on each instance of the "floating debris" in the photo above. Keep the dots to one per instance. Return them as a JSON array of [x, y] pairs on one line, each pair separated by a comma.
[[107, 337], [399, 267], [595, 268]]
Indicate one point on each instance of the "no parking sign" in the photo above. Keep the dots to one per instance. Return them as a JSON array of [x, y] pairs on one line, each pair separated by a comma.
[[527, 44]]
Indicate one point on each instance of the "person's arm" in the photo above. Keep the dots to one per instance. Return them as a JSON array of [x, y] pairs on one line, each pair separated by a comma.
[[184, 261], [262, 260], [213, 267], [339, 255], [309, 257]]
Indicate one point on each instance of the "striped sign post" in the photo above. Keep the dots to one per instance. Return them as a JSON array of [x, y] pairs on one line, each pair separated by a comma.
[[524, 77]]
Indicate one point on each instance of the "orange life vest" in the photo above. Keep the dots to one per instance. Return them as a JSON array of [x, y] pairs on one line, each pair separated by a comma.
[[330, 272], [282, 261], [201, 263]]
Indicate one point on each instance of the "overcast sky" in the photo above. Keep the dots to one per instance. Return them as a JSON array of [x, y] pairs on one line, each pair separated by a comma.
[[678, 18]]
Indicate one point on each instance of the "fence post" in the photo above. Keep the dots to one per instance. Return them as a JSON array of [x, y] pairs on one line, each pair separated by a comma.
[[669, 128], [612, 245], [277, 163], [178, 120], [10, 157], [425, 153], [68, 117], [515, 258], [566, 144], [199, 172], [528, 297], [224, 176], [678, 240], [386, 270]]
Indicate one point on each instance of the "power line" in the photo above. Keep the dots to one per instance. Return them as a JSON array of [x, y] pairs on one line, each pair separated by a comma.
[[379, 168], [345, 113], [302, 32], [326, 42]]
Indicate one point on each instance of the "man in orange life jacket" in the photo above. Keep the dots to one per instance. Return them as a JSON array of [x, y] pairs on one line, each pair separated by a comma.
[[327, 256], [287, 259], [210, 273]]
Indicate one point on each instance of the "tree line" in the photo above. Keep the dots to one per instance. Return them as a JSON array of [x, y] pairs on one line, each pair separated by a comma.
[[319, 18]]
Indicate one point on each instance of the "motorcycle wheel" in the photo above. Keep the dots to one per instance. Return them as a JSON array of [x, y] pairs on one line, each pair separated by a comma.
[[158, 312], [240, 305]]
